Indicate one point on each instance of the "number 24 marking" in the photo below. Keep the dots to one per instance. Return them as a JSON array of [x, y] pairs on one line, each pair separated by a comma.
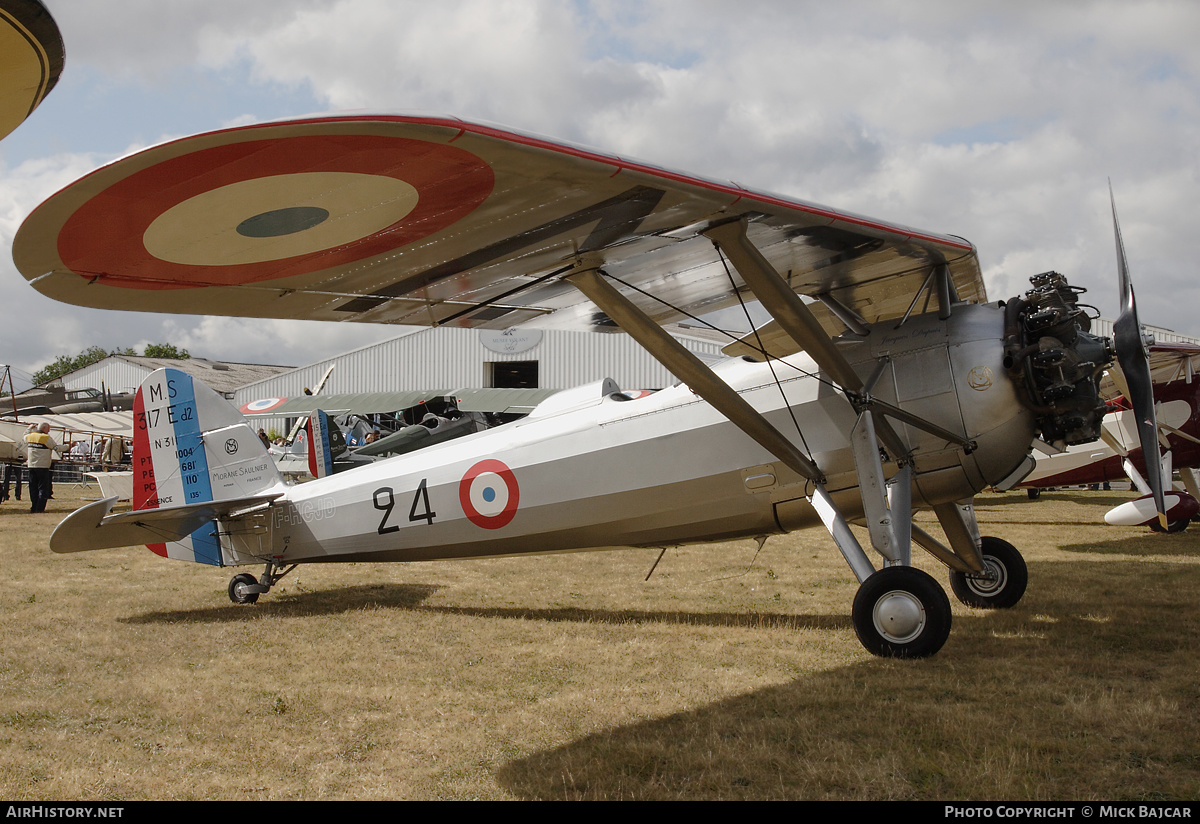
[[384, 500]]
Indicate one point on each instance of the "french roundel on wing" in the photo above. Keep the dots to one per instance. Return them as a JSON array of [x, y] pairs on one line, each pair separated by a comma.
[[262, 405], [255, 210], [489, 494]]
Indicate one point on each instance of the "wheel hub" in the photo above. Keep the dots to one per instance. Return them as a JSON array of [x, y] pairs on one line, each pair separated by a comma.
[[899, 616], [991, 580]]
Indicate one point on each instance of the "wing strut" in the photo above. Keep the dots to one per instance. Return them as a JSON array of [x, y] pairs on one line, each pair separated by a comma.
[[886, 504], [796, 319], [673, 355]]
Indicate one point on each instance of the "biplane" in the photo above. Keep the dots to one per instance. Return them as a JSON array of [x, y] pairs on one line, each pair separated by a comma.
[[364, 426], [884, 382], [1118, 455]]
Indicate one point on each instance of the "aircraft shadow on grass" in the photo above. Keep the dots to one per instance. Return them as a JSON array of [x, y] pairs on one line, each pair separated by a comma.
[[1168, 547], [410, 597], [1017, 681], [302, 604], [999, 502], [765, 620]]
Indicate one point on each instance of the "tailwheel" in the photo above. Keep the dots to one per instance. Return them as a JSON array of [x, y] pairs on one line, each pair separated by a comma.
[[901, 612], [1002, 584], [244, 589]]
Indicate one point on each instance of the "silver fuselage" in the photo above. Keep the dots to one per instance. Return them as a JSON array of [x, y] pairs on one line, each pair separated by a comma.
[[588, 471]]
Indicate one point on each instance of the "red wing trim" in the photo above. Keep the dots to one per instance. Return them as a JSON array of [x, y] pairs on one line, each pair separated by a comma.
[[595, 155]]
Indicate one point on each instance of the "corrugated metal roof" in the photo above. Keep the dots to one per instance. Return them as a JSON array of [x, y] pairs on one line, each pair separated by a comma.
[[220, 376], [125, 372]]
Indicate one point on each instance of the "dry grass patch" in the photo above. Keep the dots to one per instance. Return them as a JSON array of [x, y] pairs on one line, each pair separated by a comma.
[[727, 675]]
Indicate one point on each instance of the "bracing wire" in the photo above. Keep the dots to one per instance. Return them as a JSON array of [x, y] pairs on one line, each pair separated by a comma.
[[761, 348]]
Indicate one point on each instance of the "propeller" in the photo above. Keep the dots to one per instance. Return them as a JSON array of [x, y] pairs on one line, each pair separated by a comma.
[[1135, 364]]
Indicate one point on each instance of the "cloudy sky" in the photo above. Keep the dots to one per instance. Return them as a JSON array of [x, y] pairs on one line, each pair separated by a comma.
[[1000, 122]]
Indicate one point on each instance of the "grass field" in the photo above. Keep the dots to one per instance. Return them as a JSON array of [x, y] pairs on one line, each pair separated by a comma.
[[726, 675]]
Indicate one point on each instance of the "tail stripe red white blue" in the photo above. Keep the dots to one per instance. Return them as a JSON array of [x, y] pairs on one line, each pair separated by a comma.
[[320, 458], [191, 447]]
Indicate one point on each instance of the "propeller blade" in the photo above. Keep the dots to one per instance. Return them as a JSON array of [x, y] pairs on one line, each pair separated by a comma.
[[1135, 364]]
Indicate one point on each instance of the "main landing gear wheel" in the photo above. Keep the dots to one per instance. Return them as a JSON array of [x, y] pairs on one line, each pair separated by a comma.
[[1172, 526], [901, 612], [1003, 587], [239, 591]]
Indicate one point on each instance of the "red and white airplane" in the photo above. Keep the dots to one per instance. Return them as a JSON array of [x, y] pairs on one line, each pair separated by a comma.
[[899, 386], [1118, 454]]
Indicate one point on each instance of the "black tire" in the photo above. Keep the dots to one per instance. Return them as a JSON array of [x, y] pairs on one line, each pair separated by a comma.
[[1172, 526], [1012, 576], [237, 595], [901, 612], [1034, 494]]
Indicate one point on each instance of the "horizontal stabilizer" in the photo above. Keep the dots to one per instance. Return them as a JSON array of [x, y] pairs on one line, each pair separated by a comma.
[[92, 527]]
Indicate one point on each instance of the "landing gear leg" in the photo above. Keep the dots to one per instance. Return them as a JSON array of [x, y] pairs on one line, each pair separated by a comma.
[[985, 572], [245, 588]]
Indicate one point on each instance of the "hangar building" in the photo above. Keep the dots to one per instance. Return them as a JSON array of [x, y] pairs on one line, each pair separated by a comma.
[[420, 358], [451, 358]]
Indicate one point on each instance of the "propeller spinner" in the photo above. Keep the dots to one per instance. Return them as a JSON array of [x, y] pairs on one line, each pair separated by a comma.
[[1134, 359]]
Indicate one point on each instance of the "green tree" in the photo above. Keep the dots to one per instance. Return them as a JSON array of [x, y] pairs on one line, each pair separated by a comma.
[[64, 364], [165, 350]]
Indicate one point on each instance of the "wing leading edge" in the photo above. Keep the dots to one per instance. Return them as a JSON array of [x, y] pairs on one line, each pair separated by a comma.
[[437, 221]]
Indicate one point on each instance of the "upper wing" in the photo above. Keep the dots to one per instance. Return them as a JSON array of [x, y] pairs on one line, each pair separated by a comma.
[[1169, 362], [370, 403], [31, 59], [363, 403], [433, 220]]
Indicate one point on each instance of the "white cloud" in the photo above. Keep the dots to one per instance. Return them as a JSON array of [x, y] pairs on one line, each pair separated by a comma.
[[996, 121]]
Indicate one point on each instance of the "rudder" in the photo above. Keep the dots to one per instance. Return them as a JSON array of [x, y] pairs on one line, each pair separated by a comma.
[[190, 446]]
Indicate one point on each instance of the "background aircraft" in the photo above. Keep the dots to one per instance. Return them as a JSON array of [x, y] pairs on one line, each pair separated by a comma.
[[57, 400], [365, 426], [1119, 455], [928, 395]]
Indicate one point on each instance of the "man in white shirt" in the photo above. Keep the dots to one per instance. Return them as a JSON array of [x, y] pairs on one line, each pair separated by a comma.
[[40, 449]]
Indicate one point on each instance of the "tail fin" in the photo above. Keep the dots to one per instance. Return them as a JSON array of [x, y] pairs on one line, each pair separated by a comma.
[[192, 447], [320, 456]]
